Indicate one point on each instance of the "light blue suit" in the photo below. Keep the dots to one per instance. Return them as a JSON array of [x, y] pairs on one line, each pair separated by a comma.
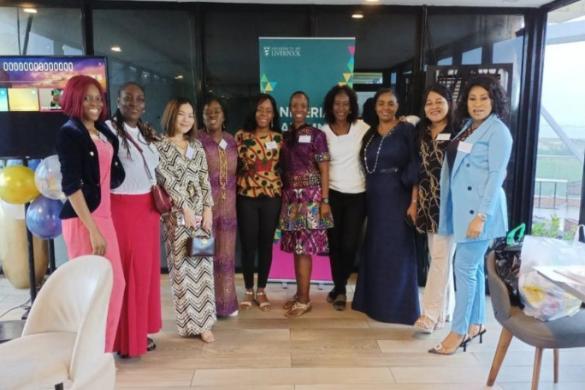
[[475, 186]]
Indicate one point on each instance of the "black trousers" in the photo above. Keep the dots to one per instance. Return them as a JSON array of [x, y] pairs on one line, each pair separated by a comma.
[[349, 212], [257, 220]]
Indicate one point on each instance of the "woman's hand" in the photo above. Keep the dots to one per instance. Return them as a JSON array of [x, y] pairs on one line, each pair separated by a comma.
[[191, 220], [98, 242], [207, 223], [475, 227], [325, 211], [411, 212]]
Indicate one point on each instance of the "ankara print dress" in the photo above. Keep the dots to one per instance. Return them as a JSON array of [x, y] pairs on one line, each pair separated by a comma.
[[186, 180]]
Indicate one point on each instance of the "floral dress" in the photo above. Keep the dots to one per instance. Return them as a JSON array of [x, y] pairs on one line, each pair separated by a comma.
[[186, 180], [303, 229]]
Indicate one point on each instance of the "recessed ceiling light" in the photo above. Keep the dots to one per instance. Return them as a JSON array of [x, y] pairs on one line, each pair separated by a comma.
[[179, 77], [357, 15], [372, 1], [116, 48], [30, 10]]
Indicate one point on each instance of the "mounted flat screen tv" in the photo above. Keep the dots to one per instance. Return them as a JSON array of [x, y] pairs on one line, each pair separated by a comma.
[[30, 87]]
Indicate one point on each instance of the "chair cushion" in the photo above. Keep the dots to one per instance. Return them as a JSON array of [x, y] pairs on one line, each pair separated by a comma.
[[566, 332], [37, 360]]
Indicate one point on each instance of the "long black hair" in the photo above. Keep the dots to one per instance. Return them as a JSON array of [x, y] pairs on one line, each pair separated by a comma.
[[497, 96], [147, 131], [251, 124], [330, 99], [425, 122]]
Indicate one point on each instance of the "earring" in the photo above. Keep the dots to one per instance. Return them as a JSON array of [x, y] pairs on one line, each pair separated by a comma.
[[271, 124]]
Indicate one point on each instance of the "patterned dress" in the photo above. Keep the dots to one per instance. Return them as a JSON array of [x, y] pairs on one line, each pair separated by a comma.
[[222, 163], [258, 170], [186, 180], [431, 160], [303, 229]]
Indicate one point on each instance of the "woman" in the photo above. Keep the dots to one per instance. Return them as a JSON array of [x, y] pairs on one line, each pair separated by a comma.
[[139, 247], [88, 153], [222, 159], [183, 174], [305, 215], [259, 189], [473, 203], [434, 133], [386, 288], [347, 186]]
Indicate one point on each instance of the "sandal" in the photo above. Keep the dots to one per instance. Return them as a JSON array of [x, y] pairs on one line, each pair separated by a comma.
[[207, 337], [263, 302], [481, 330], [150, 345], [425, 324], [298, 309], [439, 349], [248, 300], [288, 304]]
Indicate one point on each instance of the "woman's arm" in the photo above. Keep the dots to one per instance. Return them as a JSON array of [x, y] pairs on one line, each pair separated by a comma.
[[203, 176], [325, 208]]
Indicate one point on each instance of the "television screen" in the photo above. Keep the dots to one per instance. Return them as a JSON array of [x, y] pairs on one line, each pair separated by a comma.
[[30, 87]]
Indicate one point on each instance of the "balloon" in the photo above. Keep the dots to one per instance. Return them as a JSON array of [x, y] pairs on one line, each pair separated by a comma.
[[48, 178], [17, 185], [42, 217], [14, 211], [33, 164]]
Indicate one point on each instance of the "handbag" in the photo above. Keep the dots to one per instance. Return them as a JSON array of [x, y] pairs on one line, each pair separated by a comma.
[[201, 244], [162, 200], [507, 261]]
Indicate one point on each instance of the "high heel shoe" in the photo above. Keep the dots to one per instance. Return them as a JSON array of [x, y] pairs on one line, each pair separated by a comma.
[[440, 350], [482, 330]]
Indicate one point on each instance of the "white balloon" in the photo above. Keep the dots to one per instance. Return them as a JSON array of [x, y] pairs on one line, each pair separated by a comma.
[[48, 178], [15, 211]]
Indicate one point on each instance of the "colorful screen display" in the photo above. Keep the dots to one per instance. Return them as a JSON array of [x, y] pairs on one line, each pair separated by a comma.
[[35, 83]]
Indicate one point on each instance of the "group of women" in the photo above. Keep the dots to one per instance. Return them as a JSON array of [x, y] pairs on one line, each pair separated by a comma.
[[317, 186]]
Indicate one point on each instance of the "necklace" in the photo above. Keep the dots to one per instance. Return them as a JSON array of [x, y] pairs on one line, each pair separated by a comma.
[[368, 171], [344, 130]]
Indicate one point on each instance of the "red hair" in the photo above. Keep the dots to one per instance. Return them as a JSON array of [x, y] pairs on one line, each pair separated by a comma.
[[74, 94]]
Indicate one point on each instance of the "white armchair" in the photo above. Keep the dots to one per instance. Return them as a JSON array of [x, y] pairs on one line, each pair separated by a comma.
[[64, 336]]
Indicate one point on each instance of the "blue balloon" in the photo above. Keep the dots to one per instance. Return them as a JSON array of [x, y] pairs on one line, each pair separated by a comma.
[[33, 164], [42, 217]]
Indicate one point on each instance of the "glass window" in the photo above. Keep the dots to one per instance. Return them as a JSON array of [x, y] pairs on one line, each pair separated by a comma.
[[561, 138], [471, 57], [49, 31], [151, 47]]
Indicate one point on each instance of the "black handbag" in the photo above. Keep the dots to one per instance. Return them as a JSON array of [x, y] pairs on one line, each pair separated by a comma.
[[507, 252], [201, 244]]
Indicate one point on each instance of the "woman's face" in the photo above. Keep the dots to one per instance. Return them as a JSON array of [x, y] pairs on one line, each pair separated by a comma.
[[185, 119], [341, 107], [213, 116], [386, 107], [436, 107], [264, 114], [131, 103], [299, 107], [479, 104], [92, 104]]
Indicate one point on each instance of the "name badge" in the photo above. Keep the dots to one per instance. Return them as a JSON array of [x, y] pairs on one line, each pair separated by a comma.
[[443, 137], [272, 145], [190, 153], [464, 147], [305, 139], [223, 144]]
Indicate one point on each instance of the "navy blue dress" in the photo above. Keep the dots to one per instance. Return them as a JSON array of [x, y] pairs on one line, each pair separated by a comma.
[[386, 288]]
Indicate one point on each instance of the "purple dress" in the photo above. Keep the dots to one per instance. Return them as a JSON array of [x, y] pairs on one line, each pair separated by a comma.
[[222, 163], [303, 229]]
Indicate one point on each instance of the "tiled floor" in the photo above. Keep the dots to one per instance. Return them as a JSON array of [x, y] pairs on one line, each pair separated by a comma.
[[323, 350]]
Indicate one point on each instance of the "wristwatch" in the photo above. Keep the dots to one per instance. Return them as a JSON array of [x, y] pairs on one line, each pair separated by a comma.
[[482, 216], [325, 200]]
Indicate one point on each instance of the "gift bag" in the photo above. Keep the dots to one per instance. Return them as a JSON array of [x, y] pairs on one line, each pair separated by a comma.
[[507, 261], [542, 298]]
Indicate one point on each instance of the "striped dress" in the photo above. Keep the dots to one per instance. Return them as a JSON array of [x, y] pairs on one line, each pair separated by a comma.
[[186, 179]]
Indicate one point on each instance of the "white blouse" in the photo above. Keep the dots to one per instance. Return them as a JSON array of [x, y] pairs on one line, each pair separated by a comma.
[[345, 169], [136, 181]]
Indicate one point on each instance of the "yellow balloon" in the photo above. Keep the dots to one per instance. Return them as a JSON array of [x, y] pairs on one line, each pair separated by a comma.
[[17, 185]]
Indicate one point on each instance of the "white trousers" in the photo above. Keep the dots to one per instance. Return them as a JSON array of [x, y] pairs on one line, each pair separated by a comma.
[[438, 301]]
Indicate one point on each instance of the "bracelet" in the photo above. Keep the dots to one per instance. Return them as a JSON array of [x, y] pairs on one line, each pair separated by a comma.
[[325, 200], [413, 201]]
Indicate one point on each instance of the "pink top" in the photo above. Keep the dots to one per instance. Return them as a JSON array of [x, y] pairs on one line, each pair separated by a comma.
[[105, 155]]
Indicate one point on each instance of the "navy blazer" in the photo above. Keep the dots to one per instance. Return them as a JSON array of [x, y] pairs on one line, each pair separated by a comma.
[[80, 165]]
